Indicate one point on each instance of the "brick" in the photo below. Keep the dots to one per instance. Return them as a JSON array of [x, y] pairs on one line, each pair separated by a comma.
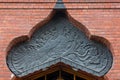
[[100, 17]]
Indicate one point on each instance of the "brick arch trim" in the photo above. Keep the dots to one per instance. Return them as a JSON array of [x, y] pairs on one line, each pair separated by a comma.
[[75, 49]]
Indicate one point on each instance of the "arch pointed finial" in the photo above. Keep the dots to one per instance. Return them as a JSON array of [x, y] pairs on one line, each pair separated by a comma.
[[59, 5]]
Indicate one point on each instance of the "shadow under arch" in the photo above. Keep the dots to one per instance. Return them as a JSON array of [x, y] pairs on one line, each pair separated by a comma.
[[61, 67], [39, 25]]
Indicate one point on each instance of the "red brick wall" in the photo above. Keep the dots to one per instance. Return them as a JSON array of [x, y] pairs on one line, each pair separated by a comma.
[[100, 17]]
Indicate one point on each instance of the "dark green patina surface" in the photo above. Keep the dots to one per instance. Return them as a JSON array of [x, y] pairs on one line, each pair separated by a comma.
[[59, 41]]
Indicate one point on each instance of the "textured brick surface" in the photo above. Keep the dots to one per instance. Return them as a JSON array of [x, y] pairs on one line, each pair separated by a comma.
[[100, 17]]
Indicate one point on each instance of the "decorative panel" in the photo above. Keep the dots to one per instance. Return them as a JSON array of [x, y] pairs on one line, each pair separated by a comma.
[[59, 41]]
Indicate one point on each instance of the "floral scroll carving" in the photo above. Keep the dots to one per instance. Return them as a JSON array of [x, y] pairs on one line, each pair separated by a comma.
[[59, 41]]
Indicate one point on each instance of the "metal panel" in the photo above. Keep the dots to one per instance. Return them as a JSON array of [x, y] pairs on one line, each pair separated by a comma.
[[59, 41], [59, 5]]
